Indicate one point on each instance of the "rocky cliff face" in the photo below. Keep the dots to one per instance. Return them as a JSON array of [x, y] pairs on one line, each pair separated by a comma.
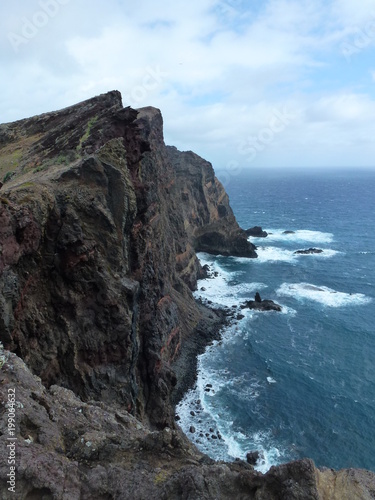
[[97, 257], [99, 225], [208, 217]]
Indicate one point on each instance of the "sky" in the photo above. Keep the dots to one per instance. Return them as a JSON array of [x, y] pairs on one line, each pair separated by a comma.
[[245, 84]]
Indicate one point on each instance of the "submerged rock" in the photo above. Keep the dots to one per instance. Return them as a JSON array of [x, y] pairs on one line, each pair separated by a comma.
[[308, 251], [256, 232]]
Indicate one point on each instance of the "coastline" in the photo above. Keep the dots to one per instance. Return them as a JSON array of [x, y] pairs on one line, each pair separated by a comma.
[[207, 330]]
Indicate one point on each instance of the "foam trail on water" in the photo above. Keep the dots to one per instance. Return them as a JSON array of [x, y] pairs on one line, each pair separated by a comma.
[[322, 294], [301, 235], [276, 254], [271, 380]]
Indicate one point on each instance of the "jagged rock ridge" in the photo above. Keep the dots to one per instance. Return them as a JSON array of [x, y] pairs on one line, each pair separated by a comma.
[[99, 225], [96, 252]]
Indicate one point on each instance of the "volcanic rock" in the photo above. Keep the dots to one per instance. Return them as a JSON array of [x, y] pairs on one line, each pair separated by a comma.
[[252, 457], [261, 305], [256, 232], [308, 251]]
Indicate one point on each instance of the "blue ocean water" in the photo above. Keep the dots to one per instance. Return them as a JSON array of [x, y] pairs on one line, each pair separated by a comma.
[[300, 383]]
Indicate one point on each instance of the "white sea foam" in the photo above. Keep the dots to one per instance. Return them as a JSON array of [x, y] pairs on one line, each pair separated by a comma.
[[268, 455], [327, 253], [322, 294], [299, 235], [276, 254], [233, 443], [200, 407], [288, 310], [220, 287]]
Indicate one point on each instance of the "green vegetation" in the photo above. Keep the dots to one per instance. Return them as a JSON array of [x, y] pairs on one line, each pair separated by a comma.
[[13, 154], [8, 176], [161, 477], [26, 185], [9, 161], [40, 168], [64, 158], [86, 135]]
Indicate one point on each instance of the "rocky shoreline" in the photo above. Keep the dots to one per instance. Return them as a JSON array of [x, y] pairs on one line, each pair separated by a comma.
[[208, 329]]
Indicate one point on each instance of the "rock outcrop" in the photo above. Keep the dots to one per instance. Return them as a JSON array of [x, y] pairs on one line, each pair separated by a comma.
[[256, 232], [99, 227], [261, 305], [308, 251], [265, 305], [209, 219], [69, 449]]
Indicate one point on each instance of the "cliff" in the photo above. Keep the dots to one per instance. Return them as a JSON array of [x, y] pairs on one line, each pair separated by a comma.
[[99, 225]]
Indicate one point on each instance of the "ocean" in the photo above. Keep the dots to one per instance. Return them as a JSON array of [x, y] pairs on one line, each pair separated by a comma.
[[300, 383]]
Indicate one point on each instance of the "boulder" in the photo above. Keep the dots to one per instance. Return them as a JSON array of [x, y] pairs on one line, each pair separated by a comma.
[[265, 305], [308, 251], [252, 457], [256, 232], [261, 305]]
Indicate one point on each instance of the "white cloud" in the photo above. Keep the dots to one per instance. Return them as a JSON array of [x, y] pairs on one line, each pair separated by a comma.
[[216, 69]]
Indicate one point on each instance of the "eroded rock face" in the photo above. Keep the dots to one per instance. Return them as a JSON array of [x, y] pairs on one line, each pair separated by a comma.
[[208, 217], [98, 258], [98, 234]]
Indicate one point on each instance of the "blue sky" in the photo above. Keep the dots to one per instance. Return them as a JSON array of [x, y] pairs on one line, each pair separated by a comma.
[[245, 84]]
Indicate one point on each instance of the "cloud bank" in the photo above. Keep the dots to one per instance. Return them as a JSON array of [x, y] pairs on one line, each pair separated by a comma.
[[274, 83]]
